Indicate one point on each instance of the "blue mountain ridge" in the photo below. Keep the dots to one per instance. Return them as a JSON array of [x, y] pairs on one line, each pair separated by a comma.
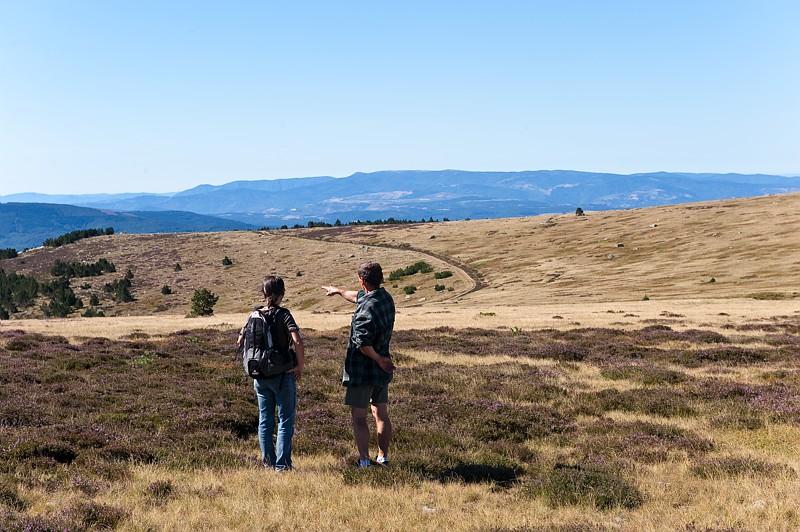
[[455, 194]]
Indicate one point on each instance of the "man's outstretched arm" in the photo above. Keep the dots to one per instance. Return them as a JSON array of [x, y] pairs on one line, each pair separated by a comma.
[[349, 295]]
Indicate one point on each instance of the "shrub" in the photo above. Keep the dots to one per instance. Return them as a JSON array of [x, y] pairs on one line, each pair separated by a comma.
[[408, 290], [439, 287], [739, 465], [92, 312], [226, 261], [94, 300], [203, 302], [443, 274], [579, 212], [96, 516], [160, 490], [166, 290], [9, 495], [418, 267], [599, 487], [178, 267]]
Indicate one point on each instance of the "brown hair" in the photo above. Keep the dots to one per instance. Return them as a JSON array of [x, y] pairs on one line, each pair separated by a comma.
[[371, 273], [273, 289]]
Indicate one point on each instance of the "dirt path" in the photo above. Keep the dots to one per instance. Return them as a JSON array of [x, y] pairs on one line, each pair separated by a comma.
[[471, 273]]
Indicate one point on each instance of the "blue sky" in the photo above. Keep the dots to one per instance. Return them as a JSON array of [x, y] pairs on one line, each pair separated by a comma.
[[112, 96]]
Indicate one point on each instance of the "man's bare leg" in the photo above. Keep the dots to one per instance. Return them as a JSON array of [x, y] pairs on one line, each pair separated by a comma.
[[361, 431], [384, 426]]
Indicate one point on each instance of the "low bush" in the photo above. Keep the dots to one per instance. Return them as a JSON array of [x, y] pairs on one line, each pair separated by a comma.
[[226, 261], [417, 267], [439, 287], [166, 290], [728, 466], [409, 290], [444, 274], [573, 484]]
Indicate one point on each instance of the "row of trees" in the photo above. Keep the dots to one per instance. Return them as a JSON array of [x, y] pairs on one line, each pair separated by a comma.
[[380, 221], [74, 236], [82, 269], [8, 253]]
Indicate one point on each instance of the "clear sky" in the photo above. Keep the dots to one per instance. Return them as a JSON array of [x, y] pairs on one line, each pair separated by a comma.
[[112, 96]]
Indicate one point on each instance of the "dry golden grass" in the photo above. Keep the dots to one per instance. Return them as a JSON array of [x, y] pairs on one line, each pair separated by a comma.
[[748, 246], [696, 313], [304, 264]]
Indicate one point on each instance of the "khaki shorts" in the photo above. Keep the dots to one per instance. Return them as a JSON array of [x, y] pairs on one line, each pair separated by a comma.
[[366, 394]]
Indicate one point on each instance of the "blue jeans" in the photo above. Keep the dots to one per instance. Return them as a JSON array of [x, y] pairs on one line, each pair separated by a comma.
[[279, 391]]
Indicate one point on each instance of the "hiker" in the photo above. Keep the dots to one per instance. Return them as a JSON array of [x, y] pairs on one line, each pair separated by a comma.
[[274, 356], [368, 365]]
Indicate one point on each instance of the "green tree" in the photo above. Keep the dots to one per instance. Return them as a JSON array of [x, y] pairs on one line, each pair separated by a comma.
[[203, 301]]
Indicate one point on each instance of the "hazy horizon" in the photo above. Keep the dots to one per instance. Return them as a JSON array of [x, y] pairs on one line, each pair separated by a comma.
[[168, 192]]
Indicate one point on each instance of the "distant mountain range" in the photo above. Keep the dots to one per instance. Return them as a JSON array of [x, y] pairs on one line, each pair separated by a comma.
[[25, 225], [416, 194]]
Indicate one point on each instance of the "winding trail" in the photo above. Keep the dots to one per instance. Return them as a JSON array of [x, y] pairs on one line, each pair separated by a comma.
[[469, 272]]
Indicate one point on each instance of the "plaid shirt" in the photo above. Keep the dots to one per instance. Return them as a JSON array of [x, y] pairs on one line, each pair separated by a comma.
[[372, 324]]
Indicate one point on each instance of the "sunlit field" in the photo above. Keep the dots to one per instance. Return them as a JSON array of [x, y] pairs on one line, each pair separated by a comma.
[[501, 429]]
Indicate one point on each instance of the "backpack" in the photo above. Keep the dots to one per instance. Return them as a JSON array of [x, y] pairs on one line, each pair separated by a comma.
[[266, 350]]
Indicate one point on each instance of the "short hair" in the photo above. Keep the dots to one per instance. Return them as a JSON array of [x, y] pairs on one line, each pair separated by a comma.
[[371, 273], [273, 289]]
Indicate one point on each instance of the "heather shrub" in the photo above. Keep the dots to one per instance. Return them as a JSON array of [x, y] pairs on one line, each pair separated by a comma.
[[647, 375], [729, 466], [93, 515], [606, 441], [160, 491], [579, 484], [10, 497]]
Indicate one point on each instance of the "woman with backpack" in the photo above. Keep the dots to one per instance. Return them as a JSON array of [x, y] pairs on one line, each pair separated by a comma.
[[273, 355]]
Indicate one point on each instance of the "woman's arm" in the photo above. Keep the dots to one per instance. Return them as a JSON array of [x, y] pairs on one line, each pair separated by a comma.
[[300, 351], [349, 295]]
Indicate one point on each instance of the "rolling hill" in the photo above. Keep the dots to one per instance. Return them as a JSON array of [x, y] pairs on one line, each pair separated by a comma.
[[749, 247], [24, 225]]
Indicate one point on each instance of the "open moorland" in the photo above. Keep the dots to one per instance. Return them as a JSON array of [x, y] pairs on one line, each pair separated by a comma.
[[497, 429], [539, 389]]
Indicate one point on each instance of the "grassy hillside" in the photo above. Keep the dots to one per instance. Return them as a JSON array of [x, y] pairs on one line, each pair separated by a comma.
[[750, 247], [305, 264]]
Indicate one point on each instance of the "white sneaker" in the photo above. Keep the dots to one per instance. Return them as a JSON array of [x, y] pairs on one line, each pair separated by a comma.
[[364, 463], [382, 460]]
